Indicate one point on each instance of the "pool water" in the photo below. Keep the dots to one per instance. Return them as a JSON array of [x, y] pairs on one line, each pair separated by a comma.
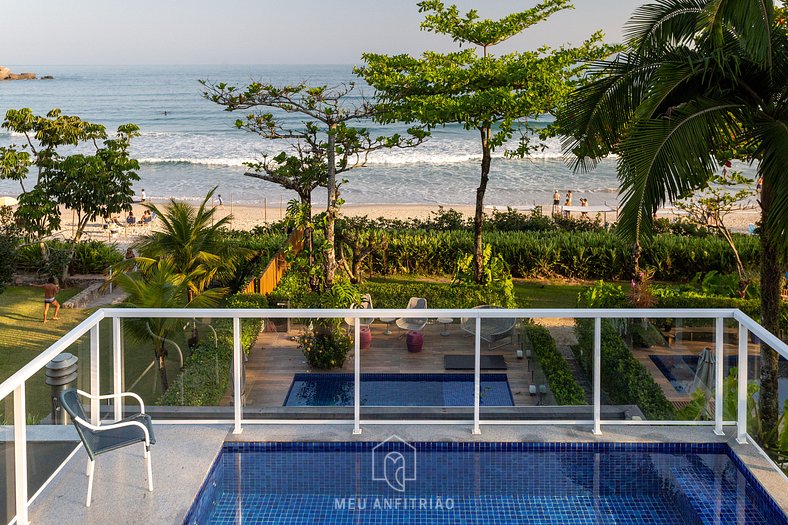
[[481, 483], [433, 390]]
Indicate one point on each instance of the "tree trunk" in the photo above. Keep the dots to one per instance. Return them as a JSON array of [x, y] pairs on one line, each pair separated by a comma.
[[330, 262], [770, 312], [478, 218], [306, 201], [160, 354]]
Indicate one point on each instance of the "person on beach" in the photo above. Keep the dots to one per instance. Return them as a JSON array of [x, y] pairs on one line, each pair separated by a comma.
[[568, 202], [556, 201], [759, 184], [131, 220], [219, 199], [143, 197], [50, 290], [583, 204]]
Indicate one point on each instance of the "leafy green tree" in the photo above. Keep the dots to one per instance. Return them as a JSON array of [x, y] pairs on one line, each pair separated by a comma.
[[700, 80], [193, 240], [161, 285], [9, 244], [327, 136], [494, 95], [93, 185], [711, 205]]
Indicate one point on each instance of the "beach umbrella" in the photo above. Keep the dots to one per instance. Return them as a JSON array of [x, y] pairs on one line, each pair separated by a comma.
[[8, 201], [704, 373]]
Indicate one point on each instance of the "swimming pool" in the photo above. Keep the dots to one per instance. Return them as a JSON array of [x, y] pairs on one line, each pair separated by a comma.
[[481, 483], [433, 390]]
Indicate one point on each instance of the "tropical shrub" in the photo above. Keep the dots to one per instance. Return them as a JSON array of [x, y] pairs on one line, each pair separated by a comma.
[[562, 382], [624, 379], [325, 349], [205, 377], [90, 257]]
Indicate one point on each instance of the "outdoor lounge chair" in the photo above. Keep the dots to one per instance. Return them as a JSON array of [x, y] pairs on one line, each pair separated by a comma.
[[365, 303], [492, 330], [414, 324], [98, 439]]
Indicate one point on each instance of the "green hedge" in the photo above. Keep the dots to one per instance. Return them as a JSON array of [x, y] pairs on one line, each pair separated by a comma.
[[668, 298], [585, 255], [206, 374], [562, 382], [624, 379]]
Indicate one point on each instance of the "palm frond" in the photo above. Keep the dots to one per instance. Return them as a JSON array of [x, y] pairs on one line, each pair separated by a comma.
[[663, 23], [663, 158]]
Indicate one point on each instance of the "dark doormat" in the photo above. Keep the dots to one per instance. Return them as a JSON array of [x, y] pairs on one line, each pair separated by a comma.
[[466, 362]]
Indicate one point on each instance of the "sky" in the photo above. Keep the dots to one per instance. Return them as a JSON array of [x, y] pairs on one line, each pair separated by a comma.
[[88, 32]]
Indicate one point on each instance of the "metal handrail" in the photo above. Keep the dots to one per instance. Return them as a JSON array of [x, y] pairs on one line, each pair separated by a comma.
[[16, 383]]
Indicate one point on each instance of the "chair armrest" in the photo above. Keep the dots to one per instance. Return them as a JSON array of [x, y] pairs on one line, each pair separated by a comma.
[[113, 426], [112, 396]]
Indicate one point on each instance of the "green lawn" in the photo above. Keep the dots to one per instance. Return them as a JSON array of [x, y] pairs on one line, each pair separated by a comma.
[[536, 294], [23, 336], [529, 294]]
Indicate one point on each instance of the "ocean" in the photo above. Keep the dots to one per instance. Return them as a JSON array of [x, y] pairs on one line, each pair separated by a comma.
[[189, 145]]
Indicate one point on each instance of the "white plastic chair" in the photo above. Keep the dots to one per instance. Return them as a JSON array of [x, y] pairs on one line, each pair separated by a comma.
[[414, 324]]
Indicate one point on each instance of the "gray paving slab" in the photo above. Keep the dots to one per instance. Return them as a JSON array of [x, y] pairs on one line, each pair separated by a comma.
[[181, 459]]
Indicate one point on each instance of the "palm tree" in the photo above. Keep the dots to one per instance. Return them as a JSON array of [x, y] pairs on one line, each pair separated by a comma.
[[193, 240], [702, 81], [161, 285]]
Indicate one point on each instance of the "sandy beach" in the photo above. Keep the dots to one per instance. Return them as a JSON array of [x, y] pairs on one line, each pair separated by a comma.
[[247, 217]]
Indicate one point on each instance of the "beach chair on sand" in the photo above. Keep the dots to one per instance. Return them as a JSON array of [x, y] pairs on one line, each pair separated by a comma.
[[414, 324], [101, 438]]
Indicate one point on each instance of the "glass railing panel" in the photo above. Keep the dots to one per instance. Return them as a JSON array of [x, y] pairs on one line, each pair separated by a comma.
[[662, 368], [419, 368], [51, 437], [543, 368], [771, 433], [287, 368], [180, 367], [7, 485]]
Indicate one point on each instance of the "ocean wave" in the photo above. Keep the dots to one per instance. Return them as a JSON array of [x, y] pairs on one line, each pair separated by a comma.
[[231, 162]]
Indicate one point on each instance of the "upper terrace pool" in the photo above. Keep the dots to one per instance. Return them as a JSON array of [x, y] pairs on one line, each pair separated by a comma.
[[481, 483]]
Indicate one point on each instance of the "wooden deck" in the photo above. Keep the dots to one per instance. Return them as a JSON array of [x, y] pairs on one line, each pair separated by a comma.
[[275, 358]]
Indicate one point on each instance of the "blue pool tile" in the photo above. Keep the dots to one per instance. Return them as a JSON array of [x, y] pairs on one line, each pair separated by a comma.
[[489, 483]]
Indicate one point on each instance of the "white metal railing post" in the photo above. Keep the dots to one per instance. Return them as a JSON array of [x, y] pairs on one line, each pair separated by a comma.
[[357, 376], [117, 367], [741, 405], [95, 374], [20, 454], [237, 383], [719, 342], [477, 376], [597, 376]]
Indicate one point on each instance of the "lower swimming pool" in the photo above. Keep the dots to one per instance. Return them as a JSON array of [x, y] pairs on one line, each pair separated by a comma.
[[426, 390], [395, 482]]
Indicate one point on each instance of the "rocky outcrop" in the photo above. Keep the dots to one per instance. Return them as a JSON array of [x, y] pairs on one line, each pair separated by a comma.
[[5, 74]]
